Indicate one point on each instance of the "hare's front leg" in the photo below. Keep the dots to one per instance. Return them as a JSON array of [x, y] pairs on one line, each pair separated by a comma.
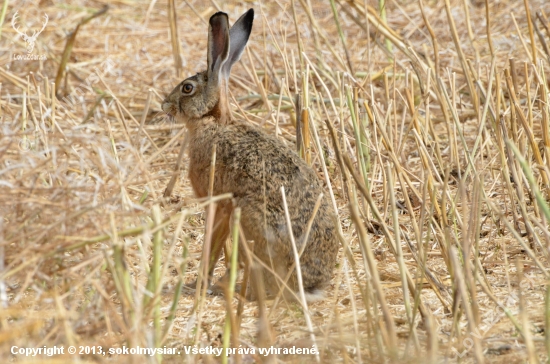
[[220, 234]]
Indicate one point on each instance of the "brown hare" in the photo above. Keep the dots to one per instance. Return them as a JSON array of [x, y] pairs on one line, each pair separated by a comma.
[[253, 166]]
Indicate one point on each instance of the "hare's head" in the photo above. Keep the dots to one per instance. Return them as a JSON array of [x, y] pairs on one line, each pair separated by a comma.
[[206, 92]]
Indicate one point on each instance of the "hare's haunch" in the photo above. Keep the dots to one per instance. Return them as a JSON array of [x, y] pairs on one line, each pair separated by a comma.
[[252, 165]]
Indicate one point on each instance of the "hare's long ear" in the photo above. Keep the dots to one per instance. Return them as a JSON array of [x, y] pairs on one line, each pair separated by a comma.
[[238, 36], [218, 46]]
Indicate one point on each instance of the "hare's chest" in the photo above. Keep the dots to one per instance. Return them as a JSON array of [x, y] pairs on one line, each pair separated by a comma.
[[198, 176], [204, 146], [200, 160]]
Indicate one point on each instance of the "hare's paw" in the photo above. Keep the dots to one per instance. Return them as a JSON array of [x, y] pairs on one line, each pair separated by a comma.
[[217, 289], [220, 288]]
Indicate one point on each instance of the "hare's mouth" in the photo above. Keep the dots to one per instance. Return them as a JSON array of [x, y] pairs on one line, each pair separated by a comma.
[[169, 110], [170, 114], [170, 117]]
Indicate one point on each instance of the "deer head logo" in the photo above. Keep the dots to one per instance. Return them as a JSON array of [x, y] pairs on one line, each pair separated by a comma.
[[29, 39]]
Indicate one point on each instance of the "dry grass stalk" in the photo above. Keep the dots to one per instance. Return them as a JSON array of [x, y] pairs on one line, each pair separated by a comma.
[[69, 47]]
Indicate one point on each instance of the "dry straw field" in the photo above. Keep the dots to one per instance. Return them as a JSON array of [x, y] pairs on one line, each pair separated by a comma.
[[427, 121]]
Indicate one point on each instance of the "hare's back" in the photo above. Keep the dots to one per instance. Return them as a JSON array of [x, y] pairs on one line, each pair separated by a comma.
[[261, 163], [254, 166]]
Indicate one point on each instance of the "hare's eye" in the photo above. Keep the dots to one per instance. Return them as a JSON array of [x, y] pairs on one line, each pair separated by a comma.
[[187, 88]]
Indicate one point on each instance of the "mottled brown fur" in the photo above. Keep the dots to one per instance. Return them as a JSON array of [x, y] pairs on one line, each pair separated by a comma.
[[253, 165]]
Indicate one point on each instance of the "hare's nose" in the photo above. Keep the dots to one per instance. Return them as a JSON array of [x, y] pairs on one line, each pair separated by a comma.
[[166, 106]]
